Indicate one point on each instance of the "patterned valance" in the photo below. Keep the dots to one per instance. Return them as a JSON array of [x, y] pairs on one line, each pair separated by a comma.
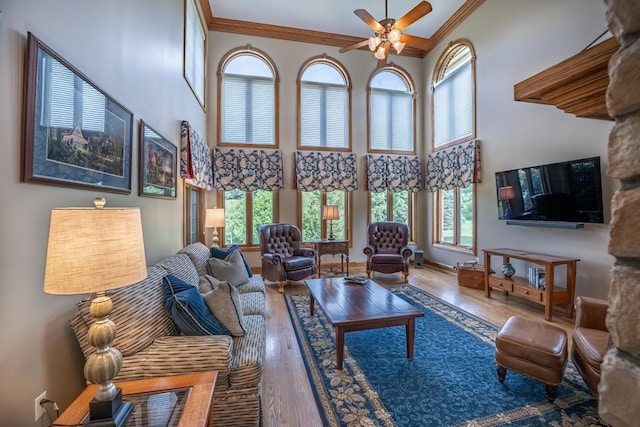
[[458, 166], [324, 171], [195, 158], [393, 173], [247, 170]]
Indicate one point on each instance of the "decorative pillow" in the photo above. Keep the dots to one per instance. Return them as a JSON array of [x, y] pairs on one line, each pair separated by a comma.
[[222, 254], [224, 303], [230, 269], [207, 283], [186, 307]]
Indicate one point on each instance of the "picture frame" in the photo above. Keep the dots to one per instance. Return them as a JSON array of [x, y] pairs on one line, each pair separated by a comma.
[[75, 134], [158, 167], [195, 50]]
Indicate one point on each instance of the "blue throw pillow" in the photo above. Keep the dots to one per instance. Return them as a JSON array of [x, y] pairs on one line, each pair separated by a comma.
[[222, 254], [187, 308]]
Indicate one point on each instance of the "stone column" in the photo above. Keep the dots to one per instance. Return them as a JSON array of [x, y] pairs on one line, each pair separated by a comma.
[[619, 386]]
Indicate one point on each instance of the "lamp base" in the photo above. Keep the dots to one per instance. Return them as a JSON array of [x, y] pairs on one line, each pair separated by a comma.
[[109, 413]]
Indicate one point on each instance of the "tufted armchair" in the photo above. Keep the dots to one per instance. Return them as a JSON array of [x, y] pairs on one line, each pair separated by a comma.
[[386, 249], [282, 257]]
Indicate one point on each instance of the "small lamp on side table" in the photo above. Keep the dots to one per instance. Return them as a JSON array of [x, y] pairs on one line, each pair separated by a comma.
[[505, 194], [330, 212], [92, 250], [215, 219]]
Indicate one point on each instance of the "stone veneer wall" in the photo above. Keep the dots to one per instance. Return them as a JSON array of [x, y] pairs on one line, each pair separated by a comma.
[[619, 386]]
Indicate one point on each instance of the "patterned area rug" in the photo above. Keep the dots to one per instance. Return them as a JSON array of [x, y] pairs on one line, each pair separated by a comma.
[[451, 381]]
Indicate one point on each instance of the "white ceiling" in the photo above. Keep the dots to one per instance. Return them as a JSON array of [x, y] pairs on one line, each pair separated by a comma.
[[333, 16]]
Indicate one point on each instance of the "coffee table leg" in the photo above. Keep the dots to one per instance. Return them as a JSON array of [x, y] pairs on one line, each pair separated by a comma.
[[312, 303], [339, 347], [411, 328]]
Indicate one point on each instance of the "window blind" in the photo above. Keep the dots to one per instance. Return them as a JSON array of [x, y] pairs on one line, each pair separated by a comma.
[[248, 107], [391, 120], [323, 115], [453, 105]]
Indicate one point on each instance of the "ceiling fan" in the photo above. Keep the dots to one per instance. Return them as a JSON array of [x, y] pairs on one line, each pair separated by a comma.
[[388, 32]]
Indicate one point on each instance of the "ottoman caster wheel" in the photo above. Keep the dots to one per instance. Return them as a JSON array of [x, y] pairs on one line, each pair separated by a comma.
[[502, 373], [552, 392]]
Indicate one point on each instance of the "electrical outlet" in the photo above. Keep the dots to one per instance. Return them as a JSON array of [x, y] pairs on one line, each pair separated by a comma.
[[39, 409]]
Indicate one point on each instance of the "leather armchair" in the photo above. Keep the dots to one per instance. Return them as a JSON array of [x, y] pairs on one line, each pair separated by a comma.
[[282, 257], [590, 339], [387, 250]]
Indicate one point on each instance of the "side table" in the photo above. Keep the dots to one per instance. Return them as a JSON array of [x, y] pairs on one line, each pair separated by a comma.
[[180, 401], [332, 247]]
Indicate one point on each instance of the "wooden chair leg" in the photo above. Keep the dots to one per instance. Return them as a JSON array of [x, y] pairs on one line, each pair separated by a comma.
[[369, 274], [406, 275], [281, 286]]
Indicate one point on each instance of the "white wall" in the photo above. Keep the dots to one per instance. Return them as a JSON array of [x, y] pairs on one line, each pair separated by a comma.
[[133, 51], [514, 40], [288, 58]]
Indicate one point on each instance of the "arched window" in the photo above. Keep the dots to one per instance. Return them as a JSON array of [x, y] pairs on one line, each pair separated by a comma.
[[454, 122], [324, 105], [391, 118], [247, 98]]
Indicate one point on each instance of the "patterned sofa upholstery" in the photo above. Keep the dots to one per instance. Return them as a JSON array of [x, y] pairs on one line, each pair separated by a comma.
[[152, 346]]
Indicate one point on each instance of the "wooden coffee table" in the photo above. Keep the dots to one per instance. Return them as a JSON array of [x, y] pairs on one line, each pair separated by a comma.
[[354, 307]]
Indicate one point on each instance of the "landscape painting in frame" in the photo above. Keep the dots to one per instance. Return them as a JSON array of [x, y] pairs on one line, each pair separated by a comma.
[[75, 135], [158, 164]]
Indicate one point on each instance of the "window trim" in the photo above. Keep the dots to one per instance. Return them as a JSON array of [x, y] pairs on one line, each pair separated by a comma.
[[348, 219], [437, 239], [324, 59], [186, 210], [229, 56], [403, 74], [250, 246]]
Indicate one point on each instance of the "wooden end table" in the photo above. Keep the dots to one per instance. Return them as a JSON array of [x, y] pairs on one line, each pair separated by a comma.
[[332, 247], [180, 400], [355, 307]]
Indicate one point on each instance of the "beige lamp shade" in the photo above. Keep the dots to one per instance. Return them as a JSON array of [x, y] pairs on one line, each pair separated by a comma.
[[215, 218], [506, 193], [94, 250], [330, 212]]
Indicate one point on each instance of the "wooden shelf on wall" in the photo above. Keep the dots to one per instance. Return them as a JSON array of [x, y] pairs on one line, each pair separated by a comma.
[[577, 85]]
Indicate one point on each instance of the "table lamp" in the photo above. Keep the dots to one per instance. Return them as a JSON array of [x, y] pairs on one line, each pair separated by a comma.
[[92, 250], [330, 212], [215, 218], [505, 194]]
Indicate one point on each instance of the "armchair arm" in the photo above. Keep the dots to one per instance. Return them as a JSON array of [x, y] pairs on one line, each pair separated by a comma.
[[591, 313], [406, 252], [305, 252], [369, 250], [275, 259]]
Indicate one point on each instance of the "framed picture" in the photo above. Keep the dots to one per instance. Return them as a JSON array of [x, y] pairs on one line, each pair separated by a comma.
[[158, 164], [195, 49], [75, 134]]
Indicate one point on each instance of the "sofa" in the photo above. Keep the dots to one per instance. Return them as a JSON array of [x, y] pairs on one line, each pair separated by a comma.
[[590, 339], [152, 344]]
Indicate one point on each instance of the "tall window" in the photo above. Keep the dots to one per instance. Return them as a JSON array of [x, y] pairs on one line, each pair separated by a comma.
[[391, 111], [324, 99], [194, 208], [454, 122], [312, 225], [247, 98], [245, 212]]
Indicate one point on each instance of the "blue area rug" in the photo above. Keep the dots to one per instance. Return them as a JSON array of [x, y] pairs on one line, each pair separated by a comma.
[[451, 381]]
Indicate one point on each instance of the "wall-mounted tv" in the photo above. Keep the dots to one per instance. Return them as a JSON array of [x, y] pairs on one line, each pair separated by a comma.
[[565, 191]]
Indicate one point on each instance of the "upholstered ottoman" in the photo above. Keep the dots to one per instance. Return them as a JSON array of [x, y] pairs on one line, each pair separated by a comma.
[[535, 349]]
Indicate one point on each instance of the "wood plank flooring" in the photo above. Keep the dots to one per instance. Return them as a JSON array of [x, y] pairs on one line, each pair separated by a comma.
[[288, 400]]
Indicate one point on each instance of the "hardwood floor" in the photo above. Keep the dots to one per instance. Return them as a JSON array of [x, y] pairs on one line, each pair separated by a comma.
[[288, 400]]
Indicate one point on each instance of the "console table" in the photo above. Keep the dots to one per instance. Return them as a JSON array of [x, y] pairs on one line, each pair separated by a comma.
[[519, 286], [180, 400], [332, 247]]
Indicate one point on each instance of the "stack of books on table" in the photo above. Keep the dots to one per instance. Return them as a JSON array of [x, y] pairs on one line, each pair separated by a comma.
[[536, 277]]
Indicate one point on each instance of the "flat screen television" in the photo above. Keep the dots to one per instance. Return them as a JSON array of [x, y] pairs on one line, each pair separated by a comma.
[[564, 192]]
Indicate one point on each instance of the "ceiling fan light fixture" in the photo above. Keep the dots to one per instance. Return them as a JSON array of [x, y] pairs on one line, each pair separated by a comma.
[[374, 41], [394, 36], [398, 46], [380, 52]]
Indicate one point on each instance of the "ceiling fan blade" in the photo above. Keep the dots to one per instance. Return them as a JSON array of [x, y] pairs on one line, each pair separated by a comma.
[[417, 42], [413, 15], [354, 46], [369, 20]]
